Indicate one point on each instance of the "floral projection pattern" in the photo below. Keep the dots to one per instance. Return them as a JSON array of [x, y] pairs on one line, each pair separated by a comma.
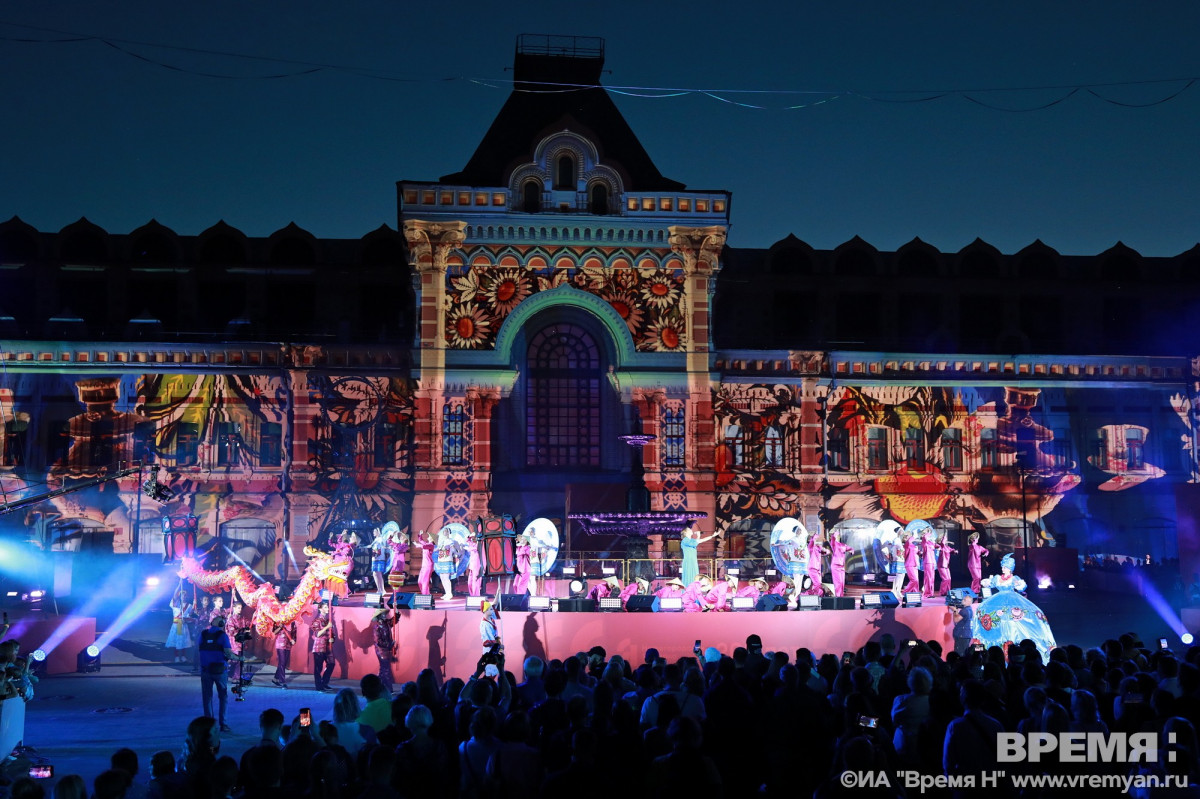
[[648, 297]]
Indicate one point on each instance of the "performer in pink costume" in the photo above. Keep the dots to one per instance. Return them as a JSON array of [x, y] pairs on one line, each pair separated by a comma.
[[929, 558], [910, 565], [718, 597], [816, 551], [694, 595], [425, 576], [399, 571], [521, 581], [343, 547], [756, 588], [975, 554], [673, 588], [945, 550], [837, 562], [604, 590], [474, 566], [638, 586]]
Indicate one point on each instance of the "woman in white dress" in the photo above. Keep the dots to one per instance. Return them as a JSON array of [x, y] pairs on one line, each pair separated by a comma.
[[182, 616]]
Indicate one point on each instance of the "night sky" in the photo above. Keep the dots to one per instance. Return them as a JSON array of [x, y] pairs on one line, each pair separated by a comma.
[[104, 130]]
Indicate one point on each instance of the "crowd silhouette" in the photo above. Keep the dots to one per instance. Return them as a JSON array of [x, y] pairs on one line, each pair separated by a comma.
[[743, 723]]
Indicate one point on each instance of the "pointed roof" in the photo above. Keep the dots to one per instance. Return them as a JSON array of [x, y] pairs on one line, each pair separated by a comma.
[[557, 87]]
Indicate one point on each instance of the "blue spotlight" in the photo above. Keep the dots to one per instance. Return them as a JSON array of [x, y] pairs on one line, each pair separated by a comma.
[[39, 655], [1186, 638]]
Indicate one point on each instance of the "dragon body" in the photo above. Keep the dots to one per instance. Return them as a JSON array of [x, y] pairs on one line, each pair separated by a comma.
[[268, 610]]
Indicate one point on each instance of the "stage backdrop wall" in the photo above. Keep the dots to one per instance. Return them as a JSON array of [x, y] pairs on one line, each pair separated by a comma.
[[448, 641]]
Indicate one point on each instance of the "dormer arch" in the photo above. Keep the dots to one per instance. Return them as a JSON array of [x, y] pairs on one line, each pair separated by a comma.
[[567, 162]]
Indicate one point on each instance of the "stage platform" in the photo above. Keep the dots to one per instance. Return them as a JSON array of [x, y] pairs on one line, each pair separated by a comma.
[[446, 639]]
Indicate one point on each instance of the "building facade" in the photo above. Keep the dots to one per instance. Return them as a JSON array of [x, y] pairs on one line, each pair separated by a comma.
[[556, 294]]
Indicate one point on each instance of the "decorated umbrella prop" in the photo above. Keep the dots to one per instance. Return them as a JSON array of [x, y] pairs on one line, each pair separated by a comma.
[[457, 533], [887, 533], [543, 538], [789, 546]]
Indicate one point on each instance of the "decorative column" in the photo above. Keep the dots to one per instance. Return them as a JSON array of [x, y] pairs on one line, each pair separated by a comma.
[[700, 249], [429, 248]]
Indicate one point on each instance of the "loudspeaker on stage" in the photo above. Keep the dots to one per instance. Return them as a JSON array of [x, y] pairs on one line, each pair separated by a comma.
[[771, 602]]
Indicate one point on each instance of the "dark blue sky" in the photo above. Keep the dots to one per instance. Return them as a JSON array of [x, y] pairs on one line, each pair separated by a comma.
[[93, 131]]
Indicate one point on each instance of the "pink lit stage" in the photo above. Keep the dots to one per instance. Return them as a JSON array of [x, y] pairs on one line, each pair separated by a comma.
[[447, 639]]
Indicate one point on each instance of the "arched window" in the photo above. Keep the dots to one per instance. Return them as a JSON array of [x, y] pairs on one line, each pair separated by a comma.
[[773, 448], [454, 420], [952, 450], [673, 430], [563, 411], [1135, 449], [877, 449], [914, 448], [564, 175], [736, 445], [531, 197], [837, 449], [989, 449], [598, 202]]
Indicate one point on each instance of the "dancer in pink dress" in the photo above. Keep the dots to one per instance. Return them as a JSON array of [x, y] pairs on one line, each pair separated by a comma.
[[425, 576], [929, 562], [524, 552], [474, 566], [816, 551], [837, 562], [912, 585], [945, 550], [975, 555], [399, 571]]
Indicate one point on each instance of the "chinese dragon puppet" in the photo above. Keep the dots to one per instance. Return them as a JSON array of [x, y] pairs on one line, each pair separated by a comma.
[[323, 569]]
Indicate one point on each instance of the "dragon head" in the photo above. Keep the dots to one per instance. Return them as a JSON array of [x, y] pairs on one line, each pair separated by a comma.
[[324, 566]]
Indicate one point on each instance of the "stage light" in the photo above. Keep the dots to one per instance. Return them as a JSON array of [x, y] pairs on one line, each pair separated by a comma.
[[577, 588], [39, 655], [912, 599], [871, 601], [422, 602], [11, 593], [1071, 585], [670, 604], [539, 603], [1186, 638], [36, 594], [373, 600], [1044, 582], [742, 603], [808, 602], [326, 595], [474, 602], [152, 581], [88, 660], [611, 604]]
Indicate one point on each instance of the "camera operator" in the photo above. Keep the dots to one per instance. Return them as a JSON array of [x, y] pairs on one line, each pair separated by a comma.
[[215, 651]]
